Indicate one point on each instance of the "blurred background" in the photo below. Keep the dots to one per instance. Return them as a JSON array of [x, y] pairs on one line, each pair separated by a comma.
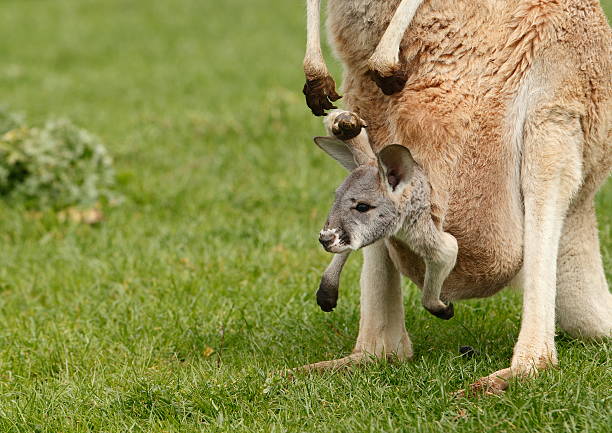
[[198, 278]]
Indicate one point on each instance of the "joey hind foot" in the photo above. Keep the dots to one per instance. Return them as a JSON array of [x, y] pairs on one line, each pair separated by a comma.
[[445, 313], [320, 93], [347, 125], [327, 298]]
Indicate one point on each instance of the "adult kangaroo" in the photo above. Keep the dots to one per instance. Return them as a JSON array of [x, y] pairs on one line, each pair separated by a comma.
[[507, 107]]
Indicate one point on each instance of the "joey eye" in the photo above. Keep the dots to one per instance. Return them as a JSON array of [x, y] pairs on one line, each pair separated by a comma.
[[363, 207]]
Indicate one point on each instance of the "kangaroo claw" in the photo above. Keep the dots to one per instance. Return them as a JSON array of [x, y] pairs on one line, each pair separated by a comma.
[[389, 84], [320, 93]]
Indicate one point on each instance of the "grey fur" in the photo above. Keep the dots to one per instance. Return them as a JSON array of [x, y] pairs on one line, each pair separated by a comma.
[[327, 295], [398, 193]]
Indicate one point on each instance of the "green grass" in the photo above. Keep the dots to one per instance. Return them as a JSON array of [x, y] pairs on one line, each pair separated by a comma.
[[110, 328]]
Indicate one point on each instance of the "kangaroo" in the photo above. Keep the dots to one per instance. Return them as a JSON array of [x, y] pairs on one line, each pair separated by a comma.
[[507, 109], [385, 195], [384, 65]]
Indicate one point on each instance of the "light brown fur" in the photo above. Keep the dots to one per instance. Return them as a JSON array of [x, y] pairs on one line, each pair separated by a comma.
[[467, 60]]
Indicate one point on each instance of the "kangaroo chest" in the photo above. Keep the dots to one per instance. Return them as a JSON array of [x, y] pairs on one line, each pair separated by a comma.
[[356, 26]]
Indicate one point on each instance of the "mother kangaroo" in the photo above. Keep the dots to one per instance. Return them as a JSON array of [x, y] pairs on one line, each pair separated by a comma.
[[507, 107]]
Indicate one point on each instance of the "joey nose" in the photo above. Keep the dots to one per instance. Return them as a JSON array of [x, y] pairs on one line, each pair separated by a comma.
[[326, 238]]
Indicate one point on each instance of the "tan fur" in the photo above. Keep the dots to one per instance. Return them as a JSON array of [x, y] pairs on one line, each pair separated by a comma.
[[508, 107], [457, 128]]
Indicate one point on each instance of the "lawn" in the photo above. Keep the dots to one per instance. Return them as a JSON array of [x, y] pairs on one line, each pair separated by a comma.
[[174, 312]]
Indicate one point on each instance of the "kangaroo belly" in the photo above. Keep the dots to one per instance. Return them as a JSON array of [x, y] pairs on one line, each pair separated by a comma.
[[490, 250], [490, 255]]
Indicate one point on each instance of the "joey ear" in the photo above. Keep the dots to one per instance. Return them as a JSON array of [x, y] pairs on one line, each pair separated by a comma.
[[396, 166], [337, 150]]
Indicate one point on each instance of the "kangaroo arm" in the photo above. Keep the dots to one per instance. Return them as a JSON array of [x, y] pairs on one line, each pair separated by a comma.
[[386, 55], [384, 63], [320, 88], [314, 63]]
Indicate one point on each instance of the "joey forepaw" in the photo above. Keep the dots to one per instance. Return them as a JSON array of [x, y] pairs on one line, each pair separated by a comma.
[[347, 125]]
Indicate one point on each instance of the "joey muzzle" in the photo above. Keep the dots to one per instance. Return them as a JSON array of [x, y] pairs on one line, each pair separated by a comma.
[[334, 240], [327, 238]]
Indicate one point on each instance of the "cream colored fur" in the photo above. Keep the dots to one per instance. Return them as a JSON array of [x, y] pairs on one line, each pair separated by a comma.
[[314, 64], [508, 108], [385, 59], [382, 332]]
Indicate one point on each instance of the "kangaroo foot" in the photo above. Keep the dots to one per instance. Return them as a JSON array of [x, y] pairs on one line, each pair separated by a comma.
[[352, 360]]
